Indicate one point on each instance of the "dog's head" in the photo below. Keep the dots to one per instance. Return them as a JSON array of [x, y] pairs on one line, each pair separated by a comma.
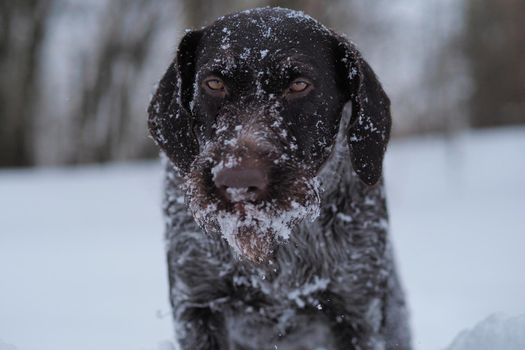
[[249, 111]]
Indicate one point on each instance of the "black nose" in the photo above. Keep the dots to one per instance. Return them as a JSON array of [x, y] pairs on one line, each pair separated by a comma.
[[242, 183]]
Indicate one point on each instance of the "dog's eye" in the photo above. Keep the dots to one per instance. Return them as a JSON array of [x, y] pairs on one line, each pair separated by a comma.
[[298, 86], [214, 84]]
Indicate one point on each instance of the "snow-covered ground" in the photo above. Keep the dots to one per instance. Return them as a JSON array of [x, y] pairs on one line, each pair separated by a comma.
[[457, 211], [82, 264]]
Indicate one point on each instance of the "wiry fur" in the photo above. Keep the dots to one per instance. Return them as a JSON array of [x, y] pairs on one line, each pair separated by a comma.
[[331, 283]]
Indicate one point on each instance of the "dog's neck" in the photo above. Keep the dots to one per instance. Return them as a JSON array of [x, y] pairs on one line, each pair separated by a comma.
[[337, 177]]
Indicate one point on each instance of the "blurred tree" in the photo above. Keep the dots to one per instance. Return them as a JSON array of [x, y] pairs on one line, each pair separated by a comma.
[[198, 13], [201, 12], [495, 47], [443, 82], [22, 32], [108, 75]]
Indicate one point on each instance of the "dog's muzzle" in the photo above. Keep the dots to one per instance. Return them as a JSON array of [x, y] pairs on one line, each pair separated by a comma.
[[254, 196]]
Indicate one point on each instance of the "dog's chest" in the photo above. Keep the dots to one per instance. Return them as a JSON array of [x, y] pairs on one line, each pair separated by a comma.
[[280, 302], [288, 316]]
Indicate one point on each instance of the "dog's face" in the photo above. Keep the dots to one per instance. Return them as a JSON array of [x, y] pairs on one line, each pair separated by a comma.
[[248, 113]]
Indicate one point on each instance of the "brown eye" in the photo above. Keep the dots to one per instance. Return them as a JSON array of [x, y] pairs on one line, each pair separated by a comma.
[[215, 84], [298, 86]]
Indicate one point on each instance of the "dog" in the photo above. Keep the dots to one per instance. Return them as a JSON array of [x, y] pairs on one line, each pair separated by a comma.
[[274, 200]]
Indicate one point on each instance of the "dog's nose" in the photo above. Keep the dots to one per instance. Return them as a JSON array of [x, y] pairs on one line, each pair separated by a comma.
[[242, 183]]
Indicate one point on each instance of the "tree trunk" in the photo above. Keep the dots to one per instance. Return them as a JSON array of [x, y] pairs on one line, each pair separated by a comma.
[[495, 47], [22, 32]]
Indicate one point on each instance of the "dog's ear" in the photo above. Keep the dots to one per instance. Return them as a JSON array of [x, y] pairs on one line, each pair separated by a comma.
[[369, 128], [169, 117]]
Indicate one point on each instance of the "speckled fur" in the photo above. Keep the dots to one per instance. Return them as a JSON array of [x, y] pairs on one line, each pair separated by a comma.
[[332, 285]]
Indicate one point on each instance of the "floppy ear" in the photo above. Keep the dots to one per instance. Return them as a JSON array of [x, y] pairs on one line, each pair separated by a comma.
[[169, 118], [369, 128]]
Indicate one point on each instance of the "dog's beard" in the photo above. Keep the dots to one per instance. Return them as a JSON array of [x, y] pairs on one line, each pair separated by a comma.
[[253, 230]]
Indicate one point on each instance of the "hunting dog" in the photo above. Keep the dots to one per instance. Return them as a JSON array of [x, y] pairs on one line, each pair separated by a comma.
[[274, 200]]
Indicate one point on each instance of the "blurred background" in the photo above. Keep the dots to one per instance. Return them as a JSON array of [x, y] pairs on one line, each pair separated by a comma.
[[82, 261], [77, 75]]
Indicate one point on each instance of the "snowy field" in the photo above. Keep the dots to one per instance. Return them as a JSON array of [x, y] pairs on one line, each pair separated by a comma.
[[82, 264]]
